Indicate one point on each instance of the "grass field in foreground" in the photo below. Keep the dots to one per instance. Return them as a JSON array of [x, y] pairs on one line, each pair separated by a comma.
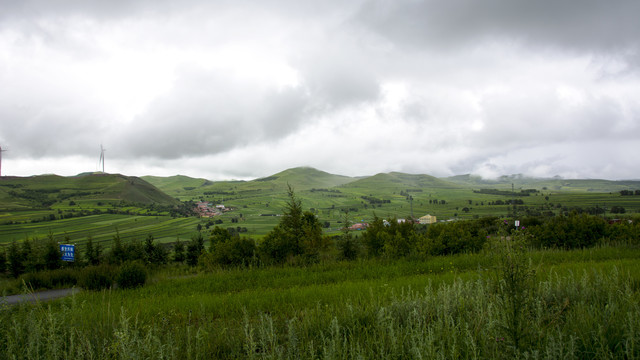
[[580, 304]]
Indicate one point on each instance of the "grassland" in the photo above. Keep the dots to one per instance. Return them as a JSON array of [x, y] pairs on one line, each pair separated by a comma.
[[396, 195], [576, 304], [327, 195], [579, 304], [98, 205], [102, 228]]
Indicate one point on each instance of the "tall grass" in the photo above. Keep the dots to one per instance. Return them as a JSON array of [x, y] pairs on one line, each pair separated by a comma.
[[586, 307]]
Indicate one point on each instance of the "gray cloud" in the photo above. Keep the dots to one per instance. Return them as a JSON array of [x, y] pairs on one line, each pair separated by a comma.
[[573, 24], [208, 112], [258, 86]]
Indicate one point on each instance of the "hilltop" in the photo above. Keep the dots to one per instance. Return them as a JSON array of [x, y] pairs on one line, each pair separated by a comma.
[[400, 181], [301, 178], [45, 190]]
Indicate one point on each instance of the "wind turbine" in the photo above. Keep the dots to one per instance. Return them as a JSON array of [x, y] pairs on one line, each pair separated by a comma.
[[1, 151], [102, 150]]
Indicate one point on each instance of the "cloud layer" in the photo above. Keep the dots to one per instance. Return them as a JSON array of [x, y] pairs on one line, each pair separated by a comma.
[[242, 89]]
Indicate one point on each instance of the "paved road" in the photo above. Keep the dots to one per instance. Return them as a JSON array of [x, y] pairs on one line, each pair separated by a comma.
[[38, 296]]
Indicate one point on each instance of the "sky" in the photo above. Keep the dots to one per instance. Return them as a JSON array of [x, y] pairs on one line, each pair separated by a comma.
[[247, 88]]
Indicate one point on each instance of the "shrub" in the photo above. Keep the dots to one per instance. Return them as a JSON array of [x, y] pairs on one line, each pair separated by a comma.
[[36, 280], [233, 252], [96, 277], [131, 275], [51, 279], [348, 247]]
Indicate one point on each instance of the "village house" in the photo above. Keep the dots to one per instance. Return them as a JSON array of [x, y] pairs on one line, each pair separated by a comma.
[[204, 210], [427, 219], [359, 226]]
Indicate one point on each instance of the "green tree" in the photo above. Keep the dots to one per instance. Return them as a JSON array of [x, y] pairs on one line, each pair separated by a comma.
[[3, 261], [29, 257], [178, 252], [149, 248], [233, 251], [313, 243], [297, 233], [92, 253], [154, 253], [195, 249], [347, 245], [374, 237], [15, 260], [218, 235], [52, 255], [117, 254]]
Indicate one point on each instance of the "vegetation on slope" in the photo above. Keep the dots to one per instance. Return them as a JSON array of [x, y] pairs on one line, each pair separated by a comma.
[[47, 190]]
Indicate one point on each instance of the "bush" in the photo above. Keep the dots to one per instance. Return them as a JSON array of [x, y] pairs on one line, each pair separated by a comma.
[[36, 280], [51, 279], [96, 277], [233, 252], [131, 275]]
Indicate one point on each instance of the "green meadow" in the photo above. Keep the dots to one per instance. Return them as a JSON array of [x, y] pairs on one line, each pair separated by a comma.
[[579, 304], [99, 205], [504, 301], [102, 228]]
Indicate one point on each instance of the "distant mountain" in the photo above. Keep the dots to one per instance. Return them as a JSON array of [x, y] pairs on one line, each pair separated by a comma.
[[557, 184], [45, 190], [300, 178], [401, 181], [177, 183], [305, 178]]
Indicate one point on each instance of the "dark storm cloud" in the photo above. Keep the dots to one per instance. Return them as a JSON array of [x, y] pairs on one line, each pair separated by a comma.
[[589, 25]]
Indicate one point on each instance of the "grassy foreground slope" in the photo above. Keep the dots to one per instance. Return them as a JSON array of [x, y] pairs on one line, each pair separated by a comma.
[[571, 304]]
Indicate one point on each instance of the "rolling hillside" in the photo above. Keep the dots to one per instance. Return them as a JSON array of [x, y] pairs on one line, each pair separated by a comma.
[[301, 178], [555, 184], [396, 181], [34, 206], [176, 184], [306, 178], [47, 190]]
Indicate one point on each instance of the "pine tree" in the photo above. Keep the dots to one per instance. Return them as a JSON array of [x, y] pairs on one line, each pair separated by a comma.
[[15, 260], [178, 252], [3, 261]]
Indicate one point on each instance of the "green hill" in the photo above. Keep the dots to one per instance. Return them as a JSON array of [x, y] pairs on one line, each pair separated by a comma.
[[47, 190], [176, 184], [301, 178], [554, 184], [396, 182], [305, 178]]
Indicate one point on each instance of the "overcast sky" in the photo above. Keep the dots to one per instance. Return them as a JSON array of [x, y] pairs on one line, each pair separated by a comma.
[[244, 89]]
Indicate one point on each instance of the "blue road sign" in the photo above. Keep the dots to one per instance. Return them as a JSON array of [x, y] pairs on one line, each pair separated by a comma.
[[68, 252]]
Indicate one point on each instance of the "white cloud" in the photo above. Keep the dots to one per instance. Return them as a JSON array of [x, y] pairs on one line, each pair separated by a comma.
[[245, 89]]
